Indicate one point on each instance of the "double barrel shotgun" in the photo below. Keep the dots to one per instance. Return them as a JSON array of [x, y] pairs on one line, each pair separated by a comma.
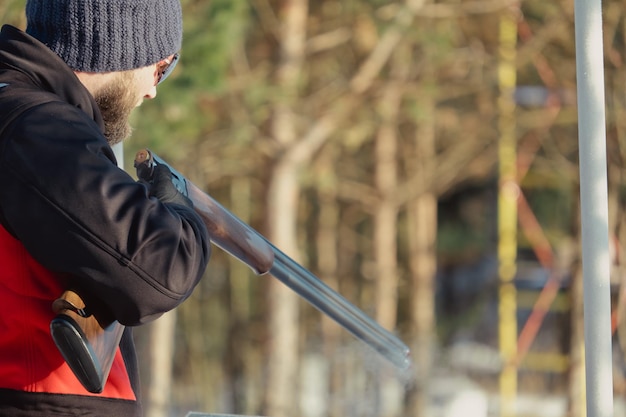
[[89, 343]]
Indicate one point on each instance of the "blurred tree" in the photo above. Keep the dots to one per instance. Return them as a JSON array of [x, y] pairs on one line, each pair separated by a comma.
[[12, 12]]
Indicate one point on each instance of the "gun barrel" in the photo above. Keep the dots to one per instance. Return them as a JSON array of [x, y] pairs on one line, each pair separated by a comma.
[[331, 303], [230, 233]]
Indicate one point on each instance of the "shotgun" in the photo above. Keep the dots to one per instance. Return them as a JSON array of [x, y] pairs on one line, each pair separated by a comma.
[[89, 352]]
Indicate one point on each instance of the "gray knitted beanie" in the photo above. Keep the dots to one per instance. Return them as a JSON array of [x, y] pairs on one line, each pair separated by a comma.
[[107, 35]]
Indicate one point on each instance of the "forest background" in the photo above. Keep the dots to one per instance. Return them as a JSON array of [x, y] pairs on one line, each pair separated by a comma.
[[370, 140]]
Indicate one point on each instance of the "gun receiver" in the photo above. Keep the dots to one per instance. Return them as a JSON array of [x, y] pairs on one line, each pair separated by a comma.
[[244, 243]]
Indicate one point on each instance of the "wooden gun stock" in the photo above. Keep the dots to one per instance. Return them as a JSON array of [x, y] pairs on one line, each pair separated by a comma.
[[89, 345]]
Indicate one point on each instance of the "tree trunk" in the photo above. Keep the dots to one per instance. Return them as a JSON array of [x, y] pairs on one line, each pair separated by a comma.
[[161, 352], [283, 197], [240, 355], [576, 378], [577, 403], [283, 303], [385, 227], [328, 263], [386, 219], [422, 220]]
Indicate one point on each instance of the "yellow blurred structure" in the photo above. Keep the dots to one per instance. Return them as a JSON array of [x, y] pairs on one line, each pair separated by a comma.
[[507, 212]]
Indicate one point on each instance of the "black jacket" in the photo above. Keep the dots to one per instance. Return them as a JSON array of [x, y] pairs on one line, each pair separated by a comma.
[[63, 196]]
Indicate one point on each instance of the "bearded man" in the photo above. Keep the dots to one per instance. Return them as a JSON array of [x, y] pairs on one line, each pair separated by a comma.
[[69, 217]]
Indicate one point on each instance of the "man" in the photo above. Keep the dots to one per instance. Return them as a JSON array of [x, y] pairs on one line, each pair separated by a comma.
[[69, 217]]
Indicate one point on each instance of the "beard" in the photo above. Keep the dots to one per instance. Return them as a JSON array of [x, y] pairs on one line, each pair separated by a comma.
[[116, 100]]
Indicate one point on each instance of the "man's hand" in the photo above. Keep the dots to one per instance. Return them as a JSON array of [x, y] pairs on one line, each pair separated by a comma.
[[163, 188]]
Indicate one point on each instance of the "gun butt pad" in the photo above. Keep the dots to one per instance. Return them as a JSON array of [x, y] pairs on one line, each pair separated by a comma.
[[77, 352]]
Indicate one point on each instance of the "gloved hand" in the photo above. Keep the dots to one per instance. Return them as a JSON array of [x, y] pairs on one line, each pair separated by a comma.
[[163, 188]]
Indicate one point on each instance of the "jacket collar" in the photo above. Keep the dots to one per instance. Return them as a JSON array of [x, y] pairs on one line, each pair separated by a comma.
[[46, 70]]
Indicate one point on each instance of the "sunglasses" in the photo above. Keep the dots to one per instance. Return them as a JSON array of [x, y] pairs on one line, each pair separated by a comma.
[[165, 68]]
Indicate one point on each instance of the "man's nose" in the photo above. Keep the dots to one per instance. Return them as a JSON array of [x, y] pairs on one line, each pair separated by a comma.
[[152, 93]]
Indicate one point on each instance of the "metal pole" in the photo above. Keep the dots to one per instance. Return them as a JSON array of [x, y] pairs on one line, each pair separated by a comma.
[[594, 207], [118, 150]]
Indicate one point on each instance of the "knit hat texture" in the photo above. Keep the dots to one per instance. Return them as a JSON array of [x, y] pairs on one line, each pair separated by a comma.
[[107, 35]]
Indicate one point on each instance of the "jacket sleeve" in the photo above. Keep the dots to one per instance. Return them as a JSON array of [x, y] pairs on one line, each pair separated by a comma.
[[77, 213]]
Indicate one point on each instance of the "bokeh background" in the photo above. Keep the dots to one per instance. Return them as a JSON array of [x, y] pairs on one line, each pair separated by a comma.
[[403, 151]]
